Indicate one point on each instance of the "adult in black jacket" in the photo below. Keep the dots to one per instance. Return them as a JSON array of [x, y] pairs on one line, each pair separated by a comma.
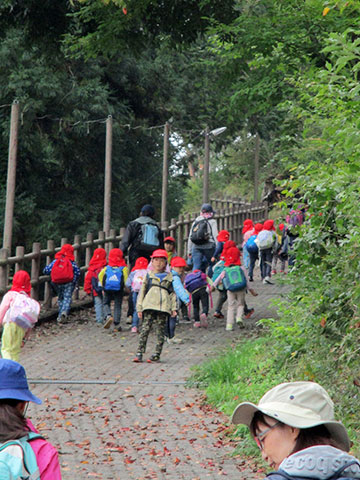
[[134, 242]]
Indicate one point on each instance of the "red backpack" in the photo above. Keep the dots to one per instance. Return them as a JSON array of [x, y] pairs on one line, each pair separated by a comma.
[[62, 271]]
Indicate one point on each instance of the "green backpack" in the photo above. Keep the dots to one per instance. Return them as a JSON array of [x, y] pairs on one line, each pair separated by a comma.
[[18, 460], [234, 279]]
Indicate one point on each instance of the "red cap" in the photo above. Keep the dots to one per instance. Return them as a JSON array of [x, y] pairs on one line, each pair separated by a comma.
[[178, 262], [281, 226], [269, 225], [160, 253], [258, 227], [223, 236], [232, 257], [141, 263], [169, 239]]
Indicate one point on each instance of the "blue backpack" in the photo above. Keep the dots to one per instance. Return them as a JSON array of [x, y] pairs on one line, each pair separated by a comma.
[[251, 245], [195, 280], [149, 237], [114, 278], [234, 279], [219, 267], [18, 460]]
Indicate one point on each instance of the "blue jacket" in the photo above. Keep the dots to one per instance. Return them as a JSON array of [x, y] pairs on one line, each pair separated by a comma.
[[179, 288]]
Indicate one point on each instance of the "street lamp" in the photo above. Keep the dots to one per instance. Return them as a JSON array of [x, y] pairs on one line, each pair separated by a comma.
[[207, 133]]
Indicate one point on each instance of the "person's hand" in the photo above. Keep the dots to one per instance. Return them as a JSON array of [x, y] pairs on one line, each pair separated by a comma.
[[213, 289], [187, 304], [140, 315], [174, 313], [213, 259], [189, 255]]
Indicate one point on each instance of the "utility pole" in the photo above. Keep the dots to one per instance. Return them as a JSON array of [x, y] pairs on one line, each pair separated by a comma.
[[256, 167], [206, 170], [11, 176], [107, 183], [165, 176]]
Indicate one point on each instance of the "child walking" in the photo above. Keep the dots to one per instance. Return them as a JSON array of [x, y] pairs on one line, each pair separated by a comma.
[[169, 246], [196, 282], [178, 265], [64, 274], [156, 301], [91, 282], [112, 279], [39, 456], [218, 268], [134, 283], [234, 279], [18, 314]]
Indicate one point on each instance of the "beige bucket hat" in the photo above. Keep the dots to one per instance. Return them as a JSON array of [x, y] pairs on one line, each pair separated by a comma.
[[297, 404]]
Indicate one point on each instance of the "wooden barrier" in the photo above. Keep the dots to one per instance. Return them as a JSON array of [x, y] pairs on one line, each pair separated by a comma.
[[230, 218]]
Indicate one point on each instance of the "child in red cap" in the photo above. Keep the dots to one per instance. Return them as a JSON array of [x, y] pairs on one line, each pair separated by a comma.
[[134, 283], [169, 245], [91, 283], [178, 265], [112, 279], [156, 302], [18, 314], [235, 281]]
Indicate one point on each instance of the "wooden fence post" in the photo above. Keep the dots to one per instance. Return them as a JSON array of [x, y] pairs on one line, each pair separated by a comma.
[[19, 252], [112, 235], [88, 251], [4, 271], [47, 290], [180, 236], [35, 269]]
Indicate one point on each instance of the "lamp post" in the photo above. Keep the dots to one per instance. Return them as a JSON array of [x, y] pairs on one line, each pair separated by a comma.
[[206, 173]]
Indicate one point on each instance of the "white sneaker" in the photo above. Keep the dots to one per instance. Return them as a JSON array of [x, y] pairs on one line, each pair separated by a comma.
[[267, 280], [229, 327], [174, 341]]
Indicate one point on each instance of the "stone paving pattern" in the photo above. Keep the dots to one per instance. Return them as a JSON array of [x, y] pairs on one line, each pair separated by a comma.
[[146, 426]]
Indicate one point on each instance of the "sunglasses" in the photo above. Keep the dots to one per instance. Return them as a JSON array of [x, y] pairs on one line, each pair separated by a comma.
[[260, 438]]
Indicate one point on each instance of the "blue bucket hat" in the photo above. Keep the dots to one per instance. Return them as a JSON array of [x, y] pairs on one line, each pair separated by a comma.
[[13, 382]]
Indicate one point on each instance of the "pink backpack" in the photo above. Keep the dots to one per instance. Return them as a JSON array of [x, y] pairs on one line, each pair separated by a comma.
[[24, 311], [138, 279]]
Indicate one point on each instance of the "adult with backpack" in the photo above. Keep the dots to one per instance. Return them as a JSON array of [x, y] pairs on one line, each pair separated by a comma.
[[267, 243], [142, 236], [234, 280], [24, 454], [112, 279], [295, 429], [202, 238], [18, 315], [64, 274]]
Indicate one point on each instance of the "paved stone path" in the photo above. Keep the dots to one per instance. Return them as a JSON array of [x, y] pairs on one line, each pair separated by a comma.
[[142, 422]]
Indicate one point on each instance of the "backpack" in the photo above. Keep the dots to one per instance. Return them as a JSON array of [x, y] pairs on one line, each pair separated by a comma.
[[251, 244], [219, 267], [265, 239], [150, 284], [138, 279], [24, 311], [114, 278], [200, 232], [18, 460], [234, 279], [195, 280], [62, 271], [149, 237]]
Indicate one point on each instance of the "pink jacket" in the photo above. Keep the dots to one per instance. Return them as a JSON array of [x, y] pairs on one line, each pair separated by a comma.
[[9, 297], [46, 457]]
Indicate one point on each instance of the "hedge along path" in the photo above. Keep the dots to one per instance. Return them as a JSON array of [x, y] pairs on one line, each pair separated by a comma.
[[113, 419]]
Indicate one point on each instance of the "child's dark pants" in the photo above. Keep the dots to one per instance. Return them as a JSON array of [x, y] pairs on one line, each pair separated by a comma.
[[197, 296]]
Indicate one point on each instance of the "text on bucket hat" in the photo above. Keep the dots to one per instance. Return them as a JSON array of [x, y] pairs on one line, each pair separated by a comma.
[[160, 253], [13, 382], [299, 405]]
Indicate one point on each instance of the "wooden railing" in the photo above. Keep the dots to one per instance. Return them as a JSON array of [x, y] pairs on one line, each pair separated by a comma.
[[230, 218]]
